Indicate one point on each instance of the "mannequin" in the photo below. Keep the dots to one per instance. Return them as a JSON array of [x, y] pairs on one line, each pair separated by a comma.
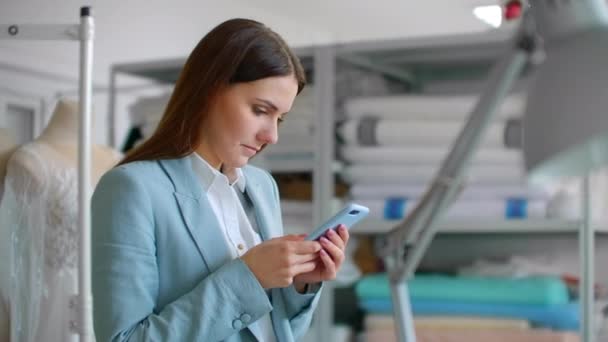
[[60, 137], [41, 206]]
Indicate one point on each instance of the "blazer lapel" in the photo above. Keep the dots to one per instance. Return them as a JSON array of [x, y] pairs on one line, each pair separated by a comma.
[[262, 209], [197, 213]]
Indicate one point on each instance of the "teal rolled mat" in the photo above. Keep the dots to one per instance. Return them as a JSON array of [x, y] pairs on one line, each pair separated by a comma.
[[528, 290]]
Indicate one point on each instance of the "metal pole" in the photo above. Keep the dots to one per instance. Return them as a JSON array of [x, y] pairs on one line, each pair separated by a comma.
[[586, 254], [323, 178], [87, 30], [112, 109], [402, 308]]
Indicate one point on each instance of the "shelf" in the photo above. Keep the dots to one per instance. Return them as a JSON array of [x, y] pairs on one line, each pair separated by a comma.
[[420, 60], [375, 226], [167, 71]]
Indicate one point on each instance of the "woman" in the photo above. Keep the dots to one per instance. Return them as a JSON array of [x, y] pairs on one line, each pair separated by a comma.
[[187, 241]]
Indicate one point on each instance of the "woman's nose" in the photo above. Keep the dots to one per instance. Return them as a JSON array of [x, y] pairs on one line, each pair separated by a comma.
[[269, 134]]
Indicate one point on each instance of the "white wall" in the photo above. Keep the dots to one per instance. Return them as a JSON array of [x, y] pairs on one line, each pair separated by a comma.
[[125, 31], [138, 30]]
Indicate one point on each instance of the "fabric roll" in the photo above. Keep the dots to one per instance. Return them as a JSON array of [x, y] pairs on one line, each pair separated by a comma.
[[559, 317], [475, 192], [424, 155], [517, 208], [483, 335], [384, 322], [428, 107], [540, 290], [393, 132], [403, 174]]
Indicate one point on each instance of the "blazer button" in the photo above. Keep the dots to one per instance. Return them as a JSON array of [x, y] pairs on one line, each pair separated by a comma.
[[246, 318], [237, 324]]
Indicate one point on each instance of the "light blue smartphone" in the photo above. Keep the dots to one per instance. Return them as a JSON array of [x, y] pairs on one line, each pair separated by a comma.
[[348, 216]]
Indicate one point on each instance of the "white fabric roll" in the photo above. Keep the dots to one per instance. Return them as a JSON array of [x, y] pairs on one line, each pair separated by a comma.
[[399, 174], [425, 155], [461, 209], [427, 106], [418, 132], [475, 192]]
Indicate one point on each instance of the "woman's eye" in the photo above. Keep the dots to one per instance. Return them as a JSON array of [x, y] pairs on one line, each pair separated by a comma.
[[281, 119], [259, 110]]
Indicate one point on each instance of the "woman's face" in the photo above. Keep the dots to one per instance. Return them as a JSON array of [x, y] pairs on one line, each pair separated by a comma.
[[243, 118]]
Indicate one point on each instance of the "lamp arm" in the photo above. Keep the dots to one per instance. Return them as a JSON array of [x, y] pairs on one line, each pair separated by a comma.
[[412, 236], [404, 246]]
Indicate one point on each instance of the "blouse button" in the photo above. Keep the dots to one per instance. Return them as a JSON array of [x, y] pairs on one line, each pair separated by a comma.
[[240, 246]]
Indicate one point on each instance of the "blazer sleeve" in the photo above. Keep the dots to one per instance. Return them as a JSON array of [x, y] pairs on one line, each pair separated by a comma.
[[299, 307], [126, 282]]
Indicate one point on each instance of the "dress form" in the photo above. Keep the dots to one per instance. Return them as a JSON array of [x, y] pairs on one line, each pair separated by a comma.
[[61, 137], [41, 186]]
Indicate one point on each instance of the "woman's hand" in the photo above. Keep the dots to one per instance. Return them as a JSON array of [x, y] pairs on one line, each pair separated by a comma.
[[330, 258], [276, 262]]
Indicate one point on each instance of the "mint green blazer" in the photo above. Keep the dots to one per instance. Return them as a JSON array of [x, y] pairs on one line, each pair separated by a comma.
[[161, 270]]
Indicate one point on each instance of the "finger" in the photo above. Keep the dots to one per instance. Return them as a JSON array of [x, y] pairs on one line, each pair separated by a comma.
[[306, 247], [335, 238], [304, 268], [344, 234], [329, 265], [302, 258], [334, 251]]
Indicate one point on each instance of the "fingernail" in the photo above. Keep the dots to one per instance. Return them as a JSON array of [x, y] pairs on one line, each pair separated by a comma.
[[324, 240], [331, 232]]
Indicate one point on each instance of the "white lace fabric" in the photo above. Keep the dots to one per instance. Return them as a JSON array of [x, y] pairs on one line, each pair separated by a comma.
[[38, 226]]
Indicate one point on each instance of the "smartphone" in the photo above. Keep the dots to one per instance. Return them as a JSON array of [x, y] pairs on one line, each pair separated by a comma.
[[348, 216]]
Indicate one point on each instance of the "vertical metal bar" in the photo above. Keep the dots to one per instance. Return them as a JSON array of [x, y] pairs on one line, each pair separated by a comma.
[[112, 139], [323, 178], [87, 32], [587, 262], [402, 308]]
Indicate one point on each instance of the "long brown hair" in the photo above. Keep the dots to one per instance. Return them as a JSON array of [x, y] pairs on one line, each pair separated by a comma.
[[237, 50]]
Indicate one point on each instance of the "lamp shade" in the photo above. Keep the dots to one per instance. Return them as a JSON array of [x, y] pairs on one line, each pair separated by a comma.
[[566, 117]]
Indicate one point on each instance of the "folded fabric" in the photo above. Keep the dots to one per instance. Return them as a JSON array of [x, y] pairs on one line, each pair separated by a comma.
[[558, 317], [387, 132], [485, 335], [475, 192], [544, 291], [515, 208], [403, 174], [424, 155], [377, 322], [442, 107]]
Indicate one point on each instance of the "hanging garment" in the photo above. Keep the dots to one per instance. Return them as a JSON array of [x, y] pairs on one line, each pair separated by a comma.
[[38, 228]]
